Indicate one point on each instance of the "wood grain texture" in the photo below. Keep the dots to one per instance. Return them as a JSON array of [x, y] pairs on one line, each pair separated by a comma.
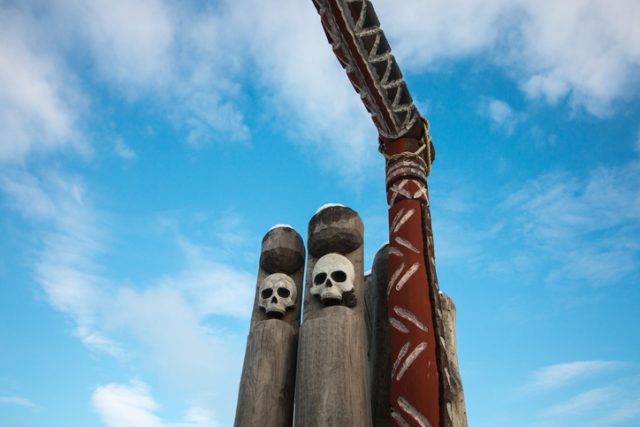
[[331, 379], [453, 410], [331, 389], [337, 228], [268, 376], [378, 353], [266, 395], [284, 250], [453, 392]]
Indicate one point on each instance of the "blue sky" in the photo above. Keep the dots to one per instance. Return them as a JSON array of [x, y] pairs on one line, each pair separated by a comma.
[[147, 146]]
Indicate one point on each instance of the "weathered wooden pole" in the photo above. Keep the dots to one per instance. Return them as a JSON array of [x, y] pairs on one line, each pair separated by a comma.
[[331, 380], [266, 395], [379, 347], [421, 365], [453, 392]]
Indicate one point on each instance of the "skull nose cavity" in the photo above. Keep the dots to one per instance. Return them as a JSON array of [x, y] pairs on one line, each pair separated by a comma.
[[328, 284], [274, 300]]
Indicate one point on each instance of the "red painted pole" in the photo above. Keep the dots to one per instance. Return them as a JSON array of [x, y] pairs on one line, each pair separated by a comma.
[[425, 386], [415, 387]]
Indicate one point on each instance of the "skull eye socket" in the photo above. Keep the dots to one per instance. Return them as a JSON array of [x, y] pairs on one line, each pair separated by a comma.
[[339, 276], [266, 293], [284, 292], [320, 278]]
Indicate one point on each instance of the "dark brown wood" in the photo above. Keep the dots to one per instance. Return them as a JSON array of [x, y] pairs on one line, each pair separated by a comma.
[[282, 252], [266, 394], [378, 338], [268, 376], [331, 380], [331, 389], [453, 393]]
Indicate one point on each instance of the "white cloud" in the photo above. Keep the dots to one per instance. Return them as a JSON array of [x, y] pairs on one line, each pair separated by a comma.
[[583, 402], [17, 400], [588, 51], [124, 151], [38, 99], [183, 58], [132, 405], [501, 114], [173, 336], [65, 269], [172, 55], [212, 287], [627, 409], [563, 374], [165, 323], [306, 88], [131, 41], [585, 226], [424, 32], [613, 402], [597, 407]]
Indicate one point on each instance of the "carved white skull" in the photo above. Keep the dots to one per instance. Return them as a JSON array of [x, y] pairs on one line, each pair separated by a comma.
[[277, 294], [333, 275]]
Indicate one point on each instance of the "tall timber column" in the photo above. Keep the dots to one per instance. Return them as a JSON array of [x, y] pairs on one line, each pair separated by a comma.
[[378, 338], [415, 394], [331, 382], [266, 393]]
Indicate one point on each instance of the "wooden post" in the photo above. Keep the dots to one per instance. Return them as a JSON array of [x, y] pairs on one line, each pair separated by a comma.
[[452, 404], [331, 381], [416, 398], [266, 394], [453, 393], [378, 338], [418, 394]]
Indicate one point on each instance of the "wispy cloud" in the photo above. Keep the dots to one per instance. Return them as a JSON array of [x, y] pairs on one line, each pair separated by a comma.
[[38, 99], [502, 115], [584, 51], [132, 405], [588, 224], [123, 151], [562, 374], [17, 400], [181, 57], [172, 55], [153, 321], [568, 229], [213, 288], [306, 76], [583, 402], [171, 333], [65, 269], [131, 42], [607, 406], [591, 393]]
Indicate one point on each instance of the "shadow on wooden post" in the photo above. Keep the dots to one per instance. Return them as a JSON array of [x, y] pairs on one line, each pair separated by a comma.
[[379, 348]]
